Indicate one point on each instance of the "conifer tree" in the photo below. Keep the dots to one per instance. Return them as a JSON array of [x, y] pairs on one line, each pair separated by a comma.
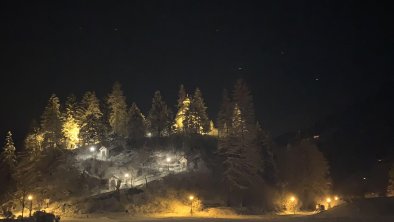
[[70, 130], [269, 168], [239, 146], [51, 123], [34, 140], [243, 101], [159, 117], [90, 105], [70, 125], [8, 156], [71, 106], [118, 117], [89, 116], [243, 98], [225, 114], [136, 126], [196, 119], [239, 173], [181, 96]]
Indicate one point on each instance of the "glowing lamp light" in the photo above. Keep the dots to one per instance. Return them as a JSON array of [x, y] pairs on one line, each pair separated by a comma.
[[168, 159], [92, 149], [126, 175], [328, 200], [292, 198], [336, 198], [191, 197], [30, 197], [149, 134]]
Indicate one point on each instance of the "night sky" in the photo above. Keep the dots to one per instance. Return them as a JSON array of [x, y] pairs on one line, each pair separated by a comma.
[[302, 59]]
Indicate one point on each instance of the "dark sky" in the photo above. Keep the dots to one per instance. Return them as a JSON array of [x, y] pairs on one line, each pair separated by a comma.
[[302, 59]]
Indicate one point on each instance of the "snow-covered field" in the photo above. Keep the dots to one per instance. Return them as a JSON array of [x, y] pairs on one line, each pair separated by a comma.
[[374, 210], [244, 218]]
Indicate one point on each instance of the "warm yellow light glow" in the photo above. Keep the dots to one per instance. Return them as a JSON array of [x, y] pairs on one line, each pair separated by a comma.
[[191, 197], [292, 198], [30, 197], [92, 149], [336, 198], [180, 116], [126, 175], [328, 200], [168, 159], [71, 130]]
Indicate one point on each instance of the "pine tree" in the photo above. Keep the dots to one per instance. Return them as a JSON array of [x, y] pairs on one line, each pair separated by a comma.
[[71, 106], [70, 130], [91, 131], [181, 96], [196, 119], [89, 116], [243, 101], [159, 117], [243, 98], [34, 140], [136, 125], [70, 125], [51, 123], [118, 117], [90, 105], [269, 167], [239, 146], [8, 156], [225, 114], [239, 174]]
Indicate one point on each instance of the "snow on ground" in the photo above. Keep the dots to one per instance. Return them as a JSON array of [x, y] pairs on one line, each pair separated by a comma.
[[374, 210]]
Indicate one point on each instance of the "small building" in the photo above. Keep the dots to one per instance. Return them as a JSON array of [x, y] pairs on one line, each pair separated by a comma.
[[113, 182], [102, 153], [183, 163]]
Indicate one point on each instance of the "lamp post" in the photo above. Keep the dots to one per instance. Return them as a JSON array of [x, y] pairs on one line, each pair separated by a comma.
[[126, 175], [47, 202], [191, 198], [293, 203], [30, 198], [168, 163], [92, 149], [328, 200]]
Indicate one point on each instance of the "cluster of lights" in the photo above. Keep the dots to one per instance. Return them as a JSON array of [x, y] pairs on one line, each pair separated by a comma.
[[329, 200]]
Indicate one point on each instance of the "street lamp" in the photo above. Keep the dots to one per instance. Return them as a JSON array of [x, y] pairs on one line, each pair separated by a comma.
[[328, 200], [168, 162], [126, 175], [191, 198], [336, 198], [92, 149], [30, 198], [293, 203]]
